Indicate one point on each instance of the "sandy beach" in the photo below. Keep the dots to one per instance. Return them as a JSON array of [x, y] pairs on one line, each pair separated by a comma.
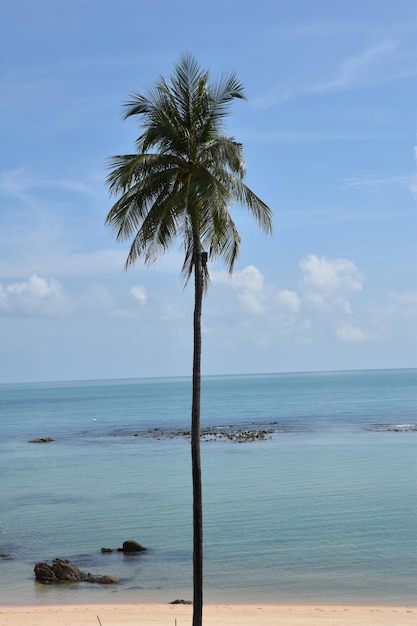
[[214, 615]]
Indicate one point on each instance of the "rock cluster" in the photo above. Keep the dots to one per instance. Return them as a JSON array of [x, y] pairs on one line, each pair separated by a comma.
[[41, 440], [395, 428], [255, 432], [181, 602], [62, 571], [241, 436], [129, 546]]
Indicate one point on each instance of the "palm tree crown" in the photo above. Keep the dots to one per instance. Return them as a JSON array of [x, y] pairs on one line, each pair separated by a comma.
[[186, 171]]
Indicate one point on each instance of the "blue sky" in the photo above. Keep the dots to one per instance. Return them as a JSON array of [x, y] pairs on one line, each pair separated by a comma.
[[329, 130]]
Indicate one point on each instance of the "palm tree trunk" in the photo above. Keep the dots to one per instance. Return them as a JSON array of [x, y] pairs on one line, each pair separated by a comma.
[[195, 445]]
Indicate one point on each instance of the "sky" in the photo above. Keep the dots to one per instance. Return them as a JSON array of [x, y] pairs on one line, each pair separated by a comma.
[[329, 135]]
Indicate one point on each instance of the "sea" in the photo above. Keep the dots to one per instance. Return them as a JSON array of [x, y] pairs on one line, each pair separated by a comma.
[[309, 488]]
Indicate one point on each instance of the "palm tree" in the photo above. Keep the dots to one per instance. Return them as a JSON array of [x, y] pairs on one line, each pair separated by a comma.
[[179, 185]]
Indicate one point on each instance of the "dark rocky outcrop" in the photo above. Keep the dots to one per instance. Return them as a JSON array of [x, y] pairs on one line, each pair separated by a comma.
[[181, 602], [132, 546], [129, 546], [62, 571], [395, 428], [255, 431], [41, 440], [213, 433], [103, 580]]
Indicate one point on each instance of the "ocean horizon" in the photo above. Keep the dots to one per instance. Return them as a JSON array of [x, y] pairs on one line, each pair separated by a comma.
[[134, 379], [309, 487]]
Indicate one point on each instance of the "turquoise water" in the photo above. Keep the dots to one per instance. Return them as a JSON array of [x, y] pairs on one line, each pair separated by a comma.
[[324, 509]]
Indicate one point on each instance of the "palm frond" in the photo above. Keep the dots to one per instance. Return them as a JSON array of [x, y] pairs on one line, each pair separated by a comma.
[[186, 172]]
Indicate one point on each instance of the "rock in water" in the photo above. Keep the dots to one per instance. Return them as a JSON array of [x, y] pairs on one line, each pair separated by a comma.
[[62, 571], [59, 571], [132, 546], [103, 580], [41, 440]]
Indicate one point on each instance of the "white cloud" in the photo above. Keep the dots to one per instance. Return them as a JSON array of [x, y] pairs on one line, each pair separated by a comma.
[[251, 301], [139, 293], [328, 283], [249, 284], [348, 332], [253, 307], [289, 300], [46, 297], [35, 297], [256, 296], [248, 278]]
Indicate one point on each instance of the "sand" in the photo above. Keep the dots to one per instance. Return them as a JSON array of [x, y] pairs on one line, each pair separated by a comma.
[[214, 615]]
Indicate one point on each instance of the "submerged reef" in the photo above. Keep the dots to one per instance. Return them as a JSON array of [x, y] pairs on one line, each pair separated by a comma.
[[239, 434]]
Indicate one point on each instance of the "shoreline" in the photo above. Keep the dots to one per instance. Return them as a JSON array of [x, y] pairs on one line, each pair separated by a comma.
[[262, 614]]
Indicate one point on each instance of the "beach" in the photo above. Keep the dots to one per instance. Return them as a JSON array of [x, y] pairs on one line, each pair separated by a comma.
[[214, 615]]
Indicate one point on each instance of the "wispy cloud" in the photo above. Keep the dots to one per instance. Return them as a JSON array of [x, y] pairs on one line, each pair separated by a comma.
[[395, 314], [384, 60], [374, 181], [302, 218], [378, 63], [20, 184], [98, 263]]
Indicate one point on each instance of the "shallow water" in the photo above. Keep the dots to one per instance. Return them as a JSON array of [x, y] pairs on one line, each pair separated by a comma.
[[324, 509]]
